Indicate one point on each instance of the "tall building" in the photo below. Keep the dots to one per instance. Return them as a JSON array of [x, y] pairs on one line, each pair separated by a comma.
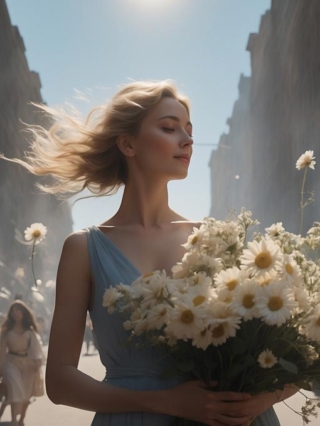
[[21, 203], [274, 121]]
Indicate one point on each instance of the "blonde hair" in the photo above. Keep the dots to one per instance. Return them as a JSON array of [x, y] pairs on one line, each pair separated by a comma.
[[84, 154]]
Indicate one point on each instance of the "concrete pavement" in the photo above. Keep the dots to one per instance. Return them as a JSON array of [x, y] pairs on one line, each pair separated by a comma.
[[43, 412]]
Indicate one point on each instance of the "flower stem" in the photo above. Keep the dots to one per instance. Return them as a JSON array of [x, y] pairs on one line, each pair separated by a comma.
[[302, 206], [32, 267]]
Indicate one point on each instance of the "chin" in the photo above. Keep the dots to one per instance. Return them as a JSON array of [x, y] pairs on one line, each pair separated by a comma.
[[179, 176]]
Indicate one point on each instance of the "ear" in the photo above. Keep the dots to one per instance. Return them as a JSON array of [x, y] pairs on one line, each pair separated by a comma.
[[126, 146]]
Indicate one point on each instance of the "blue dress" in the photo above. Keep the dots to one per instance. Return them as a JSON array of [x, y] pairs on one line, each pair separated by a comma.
[[127, 366]]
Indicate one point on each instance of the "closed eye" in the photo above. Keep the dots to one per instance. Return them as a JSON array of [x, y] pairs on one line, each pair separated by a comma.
[[169, 129]]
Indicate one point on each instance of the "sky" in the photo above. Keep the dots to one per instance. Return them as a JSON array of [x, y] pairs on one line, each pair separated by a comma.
[[86, 50]]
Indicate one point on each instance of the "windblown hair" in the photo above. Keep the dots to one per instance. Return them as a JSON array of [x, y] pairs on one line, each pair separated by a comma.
[[81, 154], [28, 319]]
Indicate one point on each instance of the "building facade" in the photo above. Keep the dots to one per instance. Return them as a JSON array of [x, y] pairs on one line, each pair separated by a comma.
[[275, 119], [21, 203]]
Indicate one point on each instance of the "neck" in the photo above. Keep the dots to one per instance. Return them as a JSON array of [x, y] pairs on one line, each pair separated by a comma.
[[144, 205]]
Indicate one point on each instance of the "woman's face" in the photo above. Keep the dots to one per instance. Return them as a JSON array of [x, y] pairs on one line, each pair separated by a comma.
[[163, 146], [17, 314]]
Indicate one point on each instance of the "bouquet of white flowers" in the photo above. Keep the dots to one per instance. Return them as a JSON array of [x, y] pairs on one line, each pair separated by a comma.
[[245, 314]]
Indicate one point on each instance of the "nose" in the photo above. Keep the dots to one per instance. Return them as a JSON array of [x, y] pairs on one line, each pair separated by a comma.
[[186, 140]]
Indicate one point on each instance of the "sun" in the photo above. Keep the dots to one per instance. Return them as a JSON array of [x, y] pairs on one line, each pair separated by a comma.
[[153, 4]]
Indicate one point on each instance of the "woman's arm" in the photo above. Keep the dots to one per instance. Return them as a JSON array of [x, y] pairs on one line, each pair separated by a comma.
[[69, 386], [3, 351]]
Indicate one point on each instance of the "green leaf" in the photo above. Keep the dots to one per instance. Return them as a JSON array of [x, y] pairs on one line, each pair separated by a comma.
[[288, 366], [236, 369], [249, 360], [186, 365], [238, 346]]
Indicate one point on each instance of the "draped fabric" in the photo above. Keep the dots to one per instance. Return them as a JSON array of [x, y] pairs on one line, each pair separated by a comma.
[[126, 366]]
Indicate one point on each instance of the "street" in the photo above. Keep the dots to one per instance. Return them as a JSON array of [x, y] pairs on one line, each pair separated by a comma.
[[43, 412]]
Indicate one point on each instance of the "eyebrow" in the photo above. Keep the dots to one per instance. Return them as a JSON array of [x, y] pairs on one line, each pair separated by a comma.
[[173, 117]]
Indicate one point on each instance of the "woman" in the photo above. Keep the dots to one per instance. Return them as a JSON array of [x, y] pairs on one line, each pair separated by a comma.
[[142, 139], [20, 360]]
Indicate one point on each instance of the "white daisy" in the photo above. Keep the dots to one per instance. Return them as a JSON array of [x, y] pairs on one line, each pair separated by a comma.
[[222, 329], [203, 339], [35, 233], [110, 299], [261, 257], [19, 273], [228, 279], [155, 291], [170, 336], [195, 239], [182, 269], [266, 359], [275, 303], [306, 160], [177, 286], [127, 325], [301, 296], [224, 295], [266, 279], [185, 319], [157, 316], [309, 353], [200, 279], [223, 323], [208, 265], [291, 270], [200, 294], [244, 301], [275, 229], [138, 322], [312, 327]]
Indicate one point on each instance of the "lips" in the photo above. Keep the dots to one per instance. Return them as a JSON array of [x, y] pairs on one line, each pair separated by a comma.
[[183, 157]]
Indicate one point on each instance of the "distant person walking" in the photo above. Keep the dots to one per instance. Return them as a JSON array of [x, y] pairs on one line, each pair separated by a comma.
[[21, 357]]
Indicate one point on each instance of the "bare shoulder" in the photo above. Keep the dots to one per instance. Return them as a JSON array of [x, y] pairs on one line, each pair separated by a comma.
[[75, 252], [77, 240]]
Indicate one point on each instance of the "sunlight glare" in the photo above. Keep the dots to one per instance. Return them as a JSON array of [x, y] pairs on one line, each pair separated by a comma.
[[153, 4]]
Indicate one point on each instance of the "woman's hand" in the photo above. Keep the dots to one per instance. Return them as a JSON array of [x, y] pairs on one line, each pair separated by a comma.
[[193, 401], [257, 404]]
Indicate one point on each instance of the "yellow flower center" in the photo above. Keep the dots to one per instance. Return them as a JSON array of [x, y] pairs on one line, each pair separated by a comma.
[[198, 300], [247, 301], [218, 331], [187, 317], [194, 240], [36, 233], [318, 322], [268, 360], [232, 284], [275, 303], [263, 260], [289, 269], [149, 274], [265, 282]]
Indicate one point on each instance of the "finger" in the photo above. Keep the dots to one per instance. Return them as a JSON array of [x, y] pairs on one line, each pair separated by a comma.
[[230, 396], [232, 421], [227, 408]]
